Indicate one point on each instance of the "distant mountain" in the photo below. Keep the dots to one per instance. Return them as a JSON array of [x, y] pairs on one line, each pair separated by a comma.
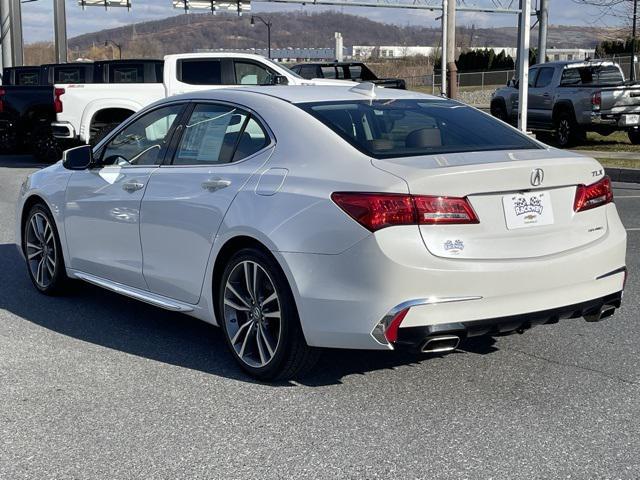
[[187, 33]]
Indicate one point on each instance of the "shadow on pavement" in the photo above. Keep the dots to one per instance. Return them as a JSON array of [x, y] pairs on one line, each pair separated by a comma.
[[104, 318]]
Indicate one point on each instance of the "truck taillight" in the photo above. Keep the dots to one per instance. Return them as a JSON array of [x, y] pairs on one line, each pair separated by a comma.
[[375, 211], [596, 101], [594, 195], [2, 94], [57, 101]]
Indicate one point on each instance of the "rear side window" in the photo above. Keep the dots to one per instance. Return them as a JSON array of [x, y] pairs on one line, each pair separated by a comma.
[[200, 72], [126, 74], [403, 128], [355, 72], [608, 75], [219, 134], [328, 72]]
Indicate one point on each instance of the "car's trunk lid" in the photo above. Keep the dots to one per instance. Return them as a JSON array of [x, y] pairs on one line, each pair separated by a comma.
[[517, 220]]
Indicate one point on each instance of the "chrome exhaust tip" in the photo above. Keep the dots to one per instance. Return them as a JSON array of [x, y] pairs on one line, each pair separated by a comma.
[[601, 314], [440, 344]]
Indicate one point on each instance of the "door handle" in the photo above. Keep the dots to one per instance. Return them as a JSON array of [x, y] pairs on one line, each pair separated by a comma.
[[132, 186], [214, 184]]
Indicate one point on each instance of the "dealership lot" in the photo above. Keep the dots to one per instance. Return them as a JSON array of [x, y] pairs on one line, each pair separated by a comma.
[[94, 385]]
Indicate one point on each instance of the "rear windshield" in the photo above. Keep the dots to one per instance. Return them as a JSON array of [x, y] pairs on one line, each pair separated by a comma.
[[404, 128], [609, 75]]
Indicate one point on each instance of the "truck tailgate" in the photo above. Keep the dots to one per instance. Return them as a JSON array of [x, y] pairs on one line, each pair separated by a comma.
[[621, 100]]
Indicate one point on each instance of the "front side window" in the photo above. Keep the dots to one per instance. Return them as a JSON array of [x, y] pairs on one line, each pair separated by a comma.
[[141, 142], [533, 74], [200, 71], [404, 128], [249, 73], [219, 134], [544, 77], [308, 71]]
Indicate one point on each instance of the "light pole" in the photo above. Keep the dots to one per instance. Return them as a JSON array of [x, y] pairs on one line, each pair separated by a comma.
[[268, 25], [117, 45], [633, 40]]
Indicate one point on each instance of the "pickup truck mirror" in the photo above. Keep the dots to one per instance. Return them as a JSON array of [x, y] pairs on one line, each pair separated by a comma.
[[279, 80], [78, 158]]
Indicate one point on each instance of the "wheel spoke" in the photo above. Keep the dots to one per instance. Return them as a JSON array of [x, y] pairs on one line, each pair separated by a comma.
[[244, 342], [275, 314], [254, 282], [240, 330], [50, 266], [33, 255], [248, 280], [34, 228], [235, 306], [260, 350], [270, 298], [238, 296], [265, 340], [40, 272]]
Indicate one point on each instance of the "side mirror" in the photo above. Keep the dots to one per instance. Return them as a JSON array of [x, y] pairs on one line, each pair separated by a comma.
[[78, 158], [279, 80]]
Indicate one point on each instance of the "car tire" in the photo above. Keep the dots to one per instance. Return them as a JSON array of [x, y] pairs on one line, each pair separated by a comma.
[[634, 136], [568, 132], [43, 252], [259, 318], [102, 132], [499, 111]]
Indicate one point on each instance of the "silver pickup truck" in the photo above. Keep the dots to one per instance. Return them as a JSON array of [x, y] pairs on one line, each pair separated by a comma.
[[572, 98]]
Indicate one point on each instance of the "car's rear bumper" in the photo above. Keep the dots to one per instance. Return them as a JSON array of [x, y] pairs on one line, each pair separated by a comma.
[[63, 130], [342, 298], [414, 338]]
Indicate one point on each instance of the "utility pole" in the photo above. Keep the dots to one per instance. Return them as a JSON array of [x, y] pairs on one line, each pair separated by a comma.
[[5, 36], [443, 54], [523, 64], [15, 14], [633, 40], [60, 30], [543, 20], [452, 81]]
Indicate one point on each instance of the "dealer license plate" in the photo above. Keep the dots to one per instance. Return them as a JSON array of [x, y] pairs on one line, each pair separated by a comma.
[[531, 209]]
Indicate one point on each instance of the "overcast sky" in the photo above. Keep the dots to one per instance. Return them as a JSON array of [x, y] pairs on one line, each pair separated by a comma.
[[38, 21]]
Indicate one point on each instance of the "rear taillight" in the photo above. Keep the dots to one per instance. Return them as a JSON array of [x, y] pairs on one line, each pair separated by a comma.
[[57, 101], [596, 101], [379, 210], [592, 196], [2, 94]]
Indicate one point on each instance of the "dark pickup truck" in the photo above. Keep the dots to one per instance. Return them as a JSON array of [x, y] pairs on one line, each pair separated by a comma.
[[356, 71], [30, 98]]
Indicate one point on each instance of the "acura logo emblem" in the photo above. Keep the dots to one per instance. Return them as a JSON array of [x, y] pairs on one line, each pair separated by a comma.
[[537, 176]]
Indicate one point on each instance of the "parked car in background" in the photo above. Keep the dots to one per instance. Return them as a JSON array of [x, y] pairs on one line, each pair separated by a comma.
[[302, 217], [356, 71], [572, 98], [30, 99], [90, 112]]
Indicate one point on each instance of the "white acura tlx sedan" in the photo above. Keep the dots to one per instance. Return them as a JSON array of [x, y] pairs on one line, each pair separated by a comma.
[[349, 217]]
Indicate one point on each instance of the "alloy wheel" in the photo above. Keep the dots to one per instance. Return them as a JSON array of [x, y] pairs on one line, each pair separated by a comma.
[[41, 250], [252, 314], [564, 130]]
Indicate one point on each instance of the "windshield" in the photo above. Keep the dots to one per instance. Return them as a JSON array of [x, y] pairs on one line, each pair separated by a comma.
[[403, 128], [279, 65]]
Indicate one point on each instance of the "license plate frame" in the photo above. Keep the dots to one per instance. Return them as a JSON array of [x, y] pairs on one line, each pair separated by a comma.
[[528, 209], [629, 120]]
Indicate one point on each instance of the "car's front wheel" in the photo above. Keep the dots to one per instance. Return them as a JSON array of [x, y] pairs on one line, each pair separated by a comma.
[[42, 250], [260, 320]]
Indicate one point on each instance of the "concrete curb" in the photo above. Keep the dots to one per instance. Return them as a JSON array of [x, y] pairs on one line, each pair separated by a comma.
[[628, 175]]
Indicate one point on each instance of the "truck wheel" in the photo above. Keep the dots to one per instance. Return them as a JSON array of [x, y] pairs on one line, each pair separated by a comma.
[[47, 149], [8, 142], [102, 133], [634, 136], [568, 132], [499, 111]]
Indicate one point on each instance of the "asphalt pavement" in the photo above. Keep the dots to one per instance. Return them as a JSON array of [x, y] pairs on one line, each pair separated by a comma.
[[97, 386]]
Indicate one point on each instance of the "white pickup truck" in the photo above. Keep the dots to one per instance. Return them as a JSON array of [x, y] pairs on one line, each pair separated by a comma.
[[87, 112]]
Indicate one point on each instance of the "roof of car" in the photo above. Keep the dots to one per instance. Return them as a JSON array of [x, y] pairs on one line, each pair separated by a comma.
[[328, 64], [319, 93]]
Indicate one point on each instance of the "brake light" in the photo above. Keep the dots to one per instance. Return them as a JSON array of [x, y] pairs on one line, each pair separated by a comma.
[[592, 196], [2, 94], [375, 211], [57, 101], [596, 101]]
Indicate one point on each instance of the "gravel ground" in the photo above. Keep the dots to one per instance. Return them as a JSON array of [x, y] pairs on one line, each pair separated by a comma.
[[96, 386]]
